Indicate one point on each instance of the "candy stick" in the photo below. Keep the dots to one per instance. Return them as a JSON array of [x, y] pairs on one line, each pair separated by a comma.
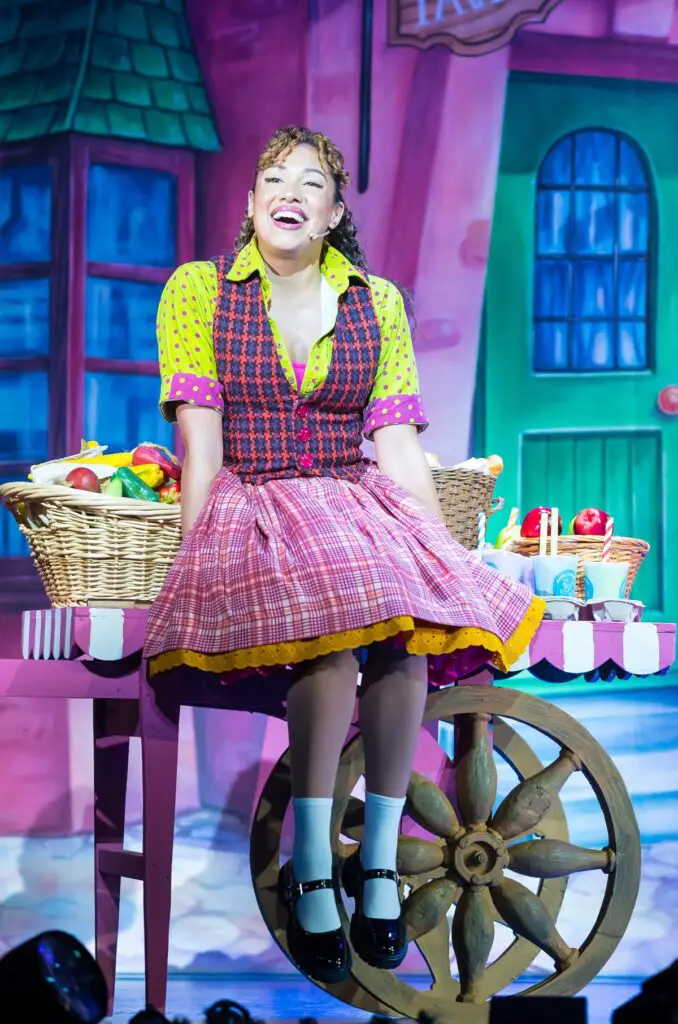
[[482, 530], [554, 531], [543, 532], [510, 527], [607, 540]]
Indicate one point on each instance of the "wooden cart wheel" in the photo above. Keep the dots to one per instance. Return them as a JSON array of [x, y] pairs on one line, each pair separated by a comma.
[[464, 861]]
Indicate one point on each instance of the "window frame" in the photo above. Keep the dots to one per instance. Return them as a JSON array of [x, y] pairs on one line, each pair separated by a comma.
[[570, 256], [67, 270], [85, 152]]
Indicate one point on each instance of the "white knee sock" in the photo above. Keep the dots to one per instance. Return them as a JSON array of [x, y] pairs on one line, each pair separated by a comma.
[[378, 850], [312, 860]]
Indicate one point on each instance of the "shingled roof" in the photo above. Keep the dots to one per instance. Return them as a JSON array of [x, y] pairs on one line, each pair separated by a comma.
[[123, 68]]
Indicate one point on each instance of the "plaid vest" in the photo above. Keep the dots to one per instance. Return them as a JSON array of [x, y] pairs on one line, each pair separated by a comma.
[[270, 431]]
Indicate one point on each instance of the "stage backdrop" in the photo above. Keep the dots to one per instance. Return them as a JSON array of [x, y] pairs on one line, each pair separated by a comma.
[[527, 197]]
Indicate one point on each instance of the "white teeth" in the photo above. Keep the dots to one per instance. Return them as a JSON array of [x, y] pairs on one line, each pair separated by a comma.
[[288, 215]]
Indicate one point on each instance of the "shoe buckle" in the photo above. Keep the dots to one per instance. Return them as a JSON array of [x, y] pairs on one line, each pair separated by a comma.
[[296, 889]]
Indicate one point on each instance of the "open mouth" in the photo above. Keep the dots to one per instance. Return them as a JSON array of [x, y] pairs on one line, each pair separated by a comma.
[[290, 218]]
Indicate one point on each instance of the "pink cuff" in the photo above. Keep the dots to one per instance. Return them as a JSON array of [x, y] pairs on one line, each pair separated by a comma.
[[385, 412], [188, 387]]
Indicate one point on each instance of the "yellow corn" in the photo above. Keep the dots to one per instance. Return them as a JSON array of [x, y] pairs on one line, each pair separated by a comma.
[[116, 459], [151, 475]]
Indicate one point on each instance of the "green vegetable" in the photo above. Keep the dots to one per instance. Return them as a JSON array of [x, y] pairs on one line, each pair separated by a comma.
[[134, 487], [113, 487]]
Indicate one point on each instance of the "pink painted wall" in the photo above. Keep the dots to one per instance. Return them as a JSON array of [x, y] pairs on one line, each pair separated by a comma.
[[436, 133]]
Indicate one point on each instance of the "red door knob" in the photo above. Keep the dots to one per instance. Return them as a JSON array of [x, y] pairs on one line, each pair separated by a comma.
[[667, 400]]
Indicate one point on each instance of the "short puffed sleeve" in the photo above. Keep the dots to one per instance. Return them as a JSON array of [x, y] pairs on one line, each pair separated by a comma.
[[395, 395], [188, 368]]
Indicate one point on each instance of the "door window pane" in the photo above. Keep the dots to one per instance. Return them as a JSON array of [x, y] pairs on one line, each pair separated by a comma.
[[594, 288], [23, 416], [552, 297], [594, 223], [131, 216], [632, 348], [121, 410], [24, 318], [593, 214], [594, 158], [550, 347], [593, 346], [553, 222], [25, 213], [120, 319], [632, 287]]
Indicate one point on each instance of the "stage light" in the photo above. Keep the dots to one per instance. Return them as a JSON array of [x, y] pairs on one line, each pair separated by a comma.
[[51, 978], [227, 1011]]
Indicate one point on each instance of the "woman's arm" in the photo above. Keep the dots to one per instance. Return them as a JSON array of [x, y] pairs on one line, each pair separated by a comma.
[[400, 456], [202, 434]]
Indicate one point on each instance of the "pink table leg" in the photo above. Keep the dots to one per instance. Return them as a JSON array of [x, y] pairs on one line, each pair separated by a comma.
[[159, 730], [114, 722]]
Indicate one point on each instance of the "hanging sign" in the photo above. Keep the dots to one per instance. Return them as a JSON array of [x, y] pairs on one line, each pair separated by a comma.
[[468, 27]]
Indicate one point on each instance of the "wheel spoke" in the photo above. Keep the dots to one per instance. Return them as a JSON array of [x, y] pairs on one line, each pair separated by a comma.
[[435, 949], [416, 856], [426, 906], [475, 770], [552, 858], [527, 804], [526, 915], [472, 935], [430, 808]]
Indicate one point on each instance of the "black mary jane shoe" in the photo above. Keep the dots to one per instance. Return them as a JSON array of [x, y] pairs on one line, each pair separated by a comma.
[[380, 942], [323, 956]]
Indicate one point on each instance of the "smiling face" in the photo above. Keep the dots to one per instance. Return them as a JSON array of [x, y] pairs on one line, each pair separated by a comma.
[[294, 203]]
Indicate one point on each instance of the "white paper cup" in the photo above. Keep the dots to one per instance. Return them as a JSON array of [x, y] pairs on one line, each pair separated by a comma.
[[555, 575], [605, 581], [509, 563]]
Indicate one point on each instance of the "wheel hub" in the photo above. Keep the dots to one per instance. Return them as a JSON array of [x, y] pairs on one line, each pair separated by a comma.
[[477, 856]]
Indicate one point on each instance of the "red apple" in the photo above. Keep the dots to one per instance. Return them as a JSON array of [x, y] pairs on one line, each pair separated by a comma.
[[590, 522], [530, 527], [83, 479]]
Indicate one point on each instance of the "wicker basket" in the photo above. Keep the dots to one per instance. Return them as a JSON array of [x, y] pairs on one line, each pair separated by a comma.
[[91, 549], [463, 495], [590, 549]]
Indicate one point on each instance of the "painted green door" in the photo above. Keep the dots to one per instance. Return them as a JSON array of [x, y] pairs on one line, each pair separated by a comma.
[[581, 319]]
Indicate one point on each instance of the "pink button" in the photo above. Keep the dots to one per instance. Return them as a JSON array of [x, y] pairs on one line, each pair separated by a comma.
[[304, 434], [302, 411], [306, 461]]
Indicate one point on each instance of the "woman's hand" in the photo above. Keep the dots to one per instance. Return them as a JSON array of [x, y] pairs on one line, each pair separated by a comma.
[[400, 456], [202, 434]]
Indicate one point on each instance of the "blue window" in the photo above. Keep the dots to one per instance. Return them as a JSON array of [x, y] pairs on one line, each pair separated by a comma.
[[131, 216], [131, 251], [121, 319], [25, 341], [592, 275], [122, 410], [25, 213]]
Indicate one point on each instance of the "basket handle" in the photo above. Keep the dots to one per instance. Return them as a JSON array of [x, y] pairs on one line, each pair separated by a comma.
[[496, 505]]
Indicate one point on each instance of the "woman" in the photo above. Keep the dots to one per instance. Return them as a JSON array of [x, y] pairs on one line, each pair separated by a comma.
[[298, 552]]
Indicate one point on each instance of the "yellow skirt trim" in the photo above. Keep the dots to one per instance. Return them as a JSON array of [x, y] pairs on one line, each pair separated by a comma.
[[419, 639]]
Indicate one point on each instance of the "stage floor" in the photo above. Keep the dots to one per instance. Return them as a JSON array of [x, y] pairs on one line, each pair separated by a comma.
[[272, 998]]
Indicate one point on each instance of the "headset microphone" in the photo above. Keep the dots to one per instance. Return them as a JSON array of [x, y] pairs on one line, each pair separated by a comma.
[[313, 237]]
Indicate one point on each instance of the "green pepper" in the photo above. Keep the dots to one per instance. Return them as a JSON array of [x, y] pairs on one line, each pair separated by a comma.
[[134, 487]]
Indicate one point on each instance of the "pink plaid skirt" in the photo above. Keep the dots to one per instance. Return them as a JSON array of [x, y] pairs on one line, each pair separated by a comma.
[[274, 574]]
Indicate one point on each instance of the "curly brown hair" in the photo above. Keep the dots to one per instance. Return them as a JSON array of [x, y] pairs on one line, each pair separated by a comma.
[[344, 237]]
